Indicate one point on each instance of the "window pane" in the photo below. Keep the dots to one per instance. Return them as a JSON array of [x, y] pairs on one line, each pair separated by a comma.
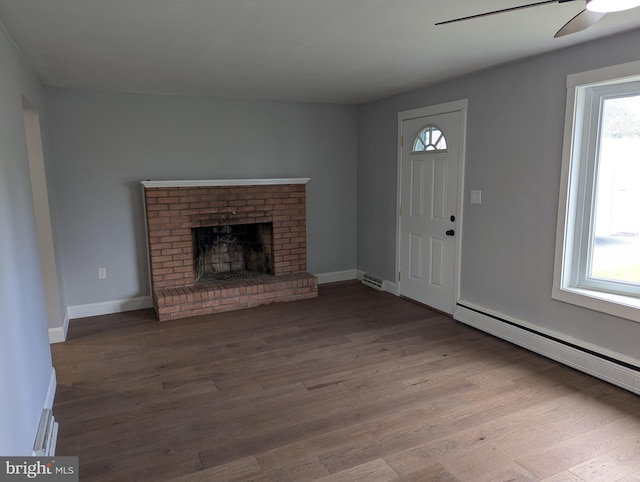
[[615, 250], [430, 139]]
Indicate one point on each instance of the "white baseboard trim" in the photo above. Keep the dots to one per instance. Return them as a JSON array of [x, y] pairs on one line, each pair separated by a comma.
[[335, 276], [108, 307], [613, 368], [143, 302], [59, 334], [390, 287]]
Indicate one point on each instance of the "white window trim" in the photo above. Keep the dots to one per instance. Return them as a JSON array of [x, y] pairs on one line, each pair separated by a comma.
[[615, 304]]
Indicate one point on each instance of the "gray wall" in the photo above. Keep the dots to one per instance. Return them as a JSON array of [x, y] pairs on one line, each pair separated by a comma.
[[514, 148], [25, 359], [104, 144]]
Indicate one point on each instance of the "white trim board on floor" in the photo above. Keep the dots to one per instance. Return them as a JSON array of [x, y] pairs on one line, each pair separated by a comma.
[[610, 367], [59, 334], [108, 307], [335, 276], [143, 302]]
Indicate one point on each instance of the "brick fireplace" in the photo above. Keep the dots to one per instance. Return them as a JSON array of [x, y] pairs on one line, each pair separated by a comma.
[[224, 245]]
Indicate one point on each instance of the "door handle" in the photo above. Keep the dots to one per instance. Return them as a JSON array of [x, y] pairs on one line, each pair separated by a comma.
[[451, 232]]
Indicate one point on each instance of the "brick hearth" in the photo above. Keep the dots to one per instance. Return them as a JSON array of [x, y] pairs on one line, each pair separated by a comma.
[[173, 208]]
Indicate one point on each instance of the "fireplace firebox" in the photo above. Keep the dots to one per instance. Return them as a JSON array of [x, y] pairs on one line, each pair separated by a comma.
[[232, 251]]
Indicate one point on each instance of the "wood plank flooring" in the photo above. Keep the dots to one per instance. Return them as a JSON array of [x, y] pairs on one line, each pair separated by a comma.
[[355, 385]]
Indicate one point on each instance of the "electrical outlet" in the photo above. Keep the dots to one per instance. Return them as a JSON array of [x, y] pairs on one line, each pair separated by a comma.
[[102, 273], [476, 197]]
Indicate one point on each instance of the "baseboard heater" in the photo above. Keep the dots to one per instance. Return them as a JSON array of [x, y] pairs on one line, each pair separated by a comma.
[[47, 435], [372, 282], [618, 372]]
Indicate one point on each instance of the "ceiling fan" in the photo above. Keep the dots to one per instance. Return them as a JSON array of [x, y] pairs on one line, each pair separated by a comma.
[[594, 11]]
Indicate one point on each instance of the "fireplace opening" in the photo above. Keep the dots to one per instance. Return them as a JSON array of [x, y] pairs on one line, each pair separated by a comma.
[[232, 251]]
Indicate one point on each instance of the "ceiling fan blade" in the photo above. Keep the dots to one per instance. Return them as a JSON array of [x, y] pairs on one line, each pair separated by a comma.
[[504, 10], [584, 19]]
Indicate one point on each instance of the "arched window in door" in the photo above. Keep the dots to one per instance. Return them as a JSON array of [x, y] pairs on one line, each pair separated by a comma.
[[430, 139]]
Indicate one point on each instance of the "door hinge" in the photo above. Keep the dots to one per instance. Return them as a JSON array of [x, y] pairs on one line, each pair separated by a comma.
[[401, 210], [401, 141], [399, 275]]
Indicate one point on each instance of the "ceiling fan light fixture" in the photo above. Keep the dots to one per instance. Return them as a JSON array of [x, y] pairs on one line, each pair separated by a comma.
[[606, 6]]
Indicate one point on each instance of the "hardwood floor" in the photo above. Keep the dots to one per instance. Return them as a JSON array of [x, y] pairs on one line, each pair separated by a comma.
[[356, 385]]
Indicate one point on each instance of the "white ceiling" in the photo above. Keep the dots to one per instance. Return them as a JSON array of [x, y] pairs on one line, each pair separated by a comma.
[[342, 51]]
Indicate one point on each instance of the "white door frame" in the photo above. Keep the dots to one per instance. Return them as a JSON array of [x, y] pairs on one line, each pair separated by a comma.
[[57, 324], [454, 106]]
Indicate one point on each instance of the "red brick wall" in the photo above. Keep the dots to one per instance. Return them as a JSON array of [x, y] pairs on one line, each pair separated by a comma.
[[173, 211]]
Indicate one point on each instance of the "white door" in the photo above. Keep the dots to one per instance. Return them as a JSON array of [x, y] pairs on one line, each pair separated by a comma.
[[429, 170]]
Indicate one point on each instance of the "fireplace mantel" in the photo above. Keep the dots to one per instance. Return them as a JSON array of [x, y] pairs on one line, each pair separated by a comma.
[[225, 182]]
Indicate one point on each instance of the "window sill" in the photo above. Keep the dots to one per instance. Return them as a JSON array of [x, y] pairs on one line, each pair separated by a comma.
[[613, 304]]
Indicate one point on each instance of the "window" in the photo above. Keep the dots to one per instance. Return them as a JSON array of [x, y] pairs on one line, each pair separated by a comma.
[[430, 139], [598, 241]]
